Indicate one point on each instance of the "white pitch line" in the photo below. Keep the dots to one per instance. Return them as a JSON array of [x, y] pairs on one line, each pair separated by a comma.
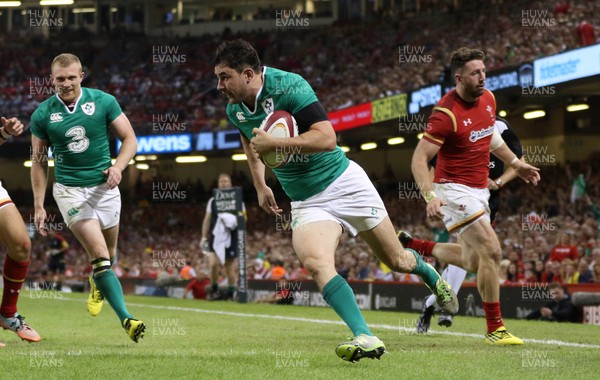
[[550, 342]]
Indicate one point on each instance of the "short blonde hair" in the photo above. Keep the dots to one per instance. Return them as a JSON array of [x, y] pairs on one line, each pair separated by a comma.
[[66, 59]]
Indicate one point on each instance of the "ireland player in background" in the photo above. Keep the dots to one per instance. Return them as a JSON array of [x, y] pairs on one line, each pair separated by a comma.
[[329, 193], [75, 123]]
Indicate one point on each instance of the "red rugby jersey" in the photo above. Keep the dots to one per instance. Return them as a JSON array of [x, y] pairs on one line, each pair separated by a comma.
[[464, 132]]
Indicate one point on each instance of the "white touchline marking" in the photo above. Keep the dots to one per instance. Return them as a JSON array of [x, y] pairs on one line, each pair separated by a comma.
[[550, 342]]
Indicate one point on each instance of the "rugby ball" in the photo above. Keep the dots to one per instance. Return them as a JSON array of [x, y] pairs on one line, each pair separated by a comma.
[[279, 124]]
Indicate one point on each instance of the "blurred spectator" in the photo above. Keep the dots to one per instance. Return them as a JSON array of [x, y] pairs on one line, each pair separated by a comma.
[[529, 277], [197, 286], [596, 273], [595, 212], [585, 274], [552, 272], [539, 270], [346, 266], [187, 272], [563, 248], [362, 269], [560, 309], [514, 275], [298, 272], [277, 271], [260, 272], [570, 274], [585, 34]]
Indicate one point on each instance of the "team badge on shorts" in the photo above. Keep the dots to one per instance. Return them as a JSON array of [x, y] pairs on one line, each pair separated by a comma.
[[88, 108]]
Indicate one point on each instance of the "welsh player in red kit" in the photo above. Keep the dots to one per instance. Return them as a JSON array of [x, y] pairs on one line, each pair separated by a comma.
[[461, 132]]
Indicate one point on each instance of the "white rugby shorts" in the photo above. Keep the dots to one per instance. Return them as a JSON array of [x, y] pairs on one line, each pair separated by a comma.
[[350, 200], [95, 202], [4, 197], [464, 205]]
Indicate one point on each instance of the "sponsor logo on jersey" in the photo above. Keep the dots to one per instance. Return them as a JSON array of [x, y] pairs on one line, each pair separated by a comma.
[[268, 105], [476, 135], [56, 117], [240, 116], [72, 212], [88, 108]]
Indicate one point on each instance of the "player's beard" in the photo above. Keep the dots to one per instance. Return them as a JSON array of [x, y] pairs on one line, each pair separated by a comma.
[[476, 91]]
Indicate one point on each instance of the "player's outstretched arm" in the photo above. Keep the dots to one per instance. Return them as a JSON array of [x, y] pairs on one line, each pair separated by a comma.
[[266, 199], [528, 173], [39, 180], [10, 127]]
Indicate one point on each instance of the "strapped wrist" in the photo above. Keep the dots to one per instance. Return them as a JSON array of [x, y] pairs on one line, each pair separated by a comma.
[[5, 135], [428, 196]]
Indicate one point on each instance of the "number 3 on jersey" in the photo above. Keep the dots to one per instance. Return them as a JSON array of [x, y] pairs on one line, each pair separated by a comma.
[[79, 141]]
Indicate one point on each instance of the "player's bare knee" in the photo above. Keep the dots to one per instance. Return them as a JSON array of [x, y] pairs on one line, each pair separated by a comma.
[[312, 265], [491, 256], [21, 250]]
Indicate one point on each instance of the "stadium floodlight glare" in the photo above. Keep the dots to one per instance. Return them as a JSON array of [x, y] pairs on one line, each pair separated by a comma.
[[239, 157], [190, 159], [28, 163], [84, 10], [345, 149], [142, 166], [396, 140], [10, 4], [56, 2], [534, 114], [502, 113], [368, 146], [420, 136], [577, 107], [141, 157]]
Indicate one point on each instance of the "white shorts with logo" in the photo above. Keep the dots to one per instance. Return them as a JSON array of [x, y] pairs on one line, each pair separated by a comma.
[[350, 200], [464, 205], [95, 202], [4, 197]]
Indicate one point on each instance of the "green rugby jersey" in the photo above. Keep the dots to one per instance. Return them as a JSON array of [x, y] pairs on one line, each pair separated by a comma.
[[79, 139], [305, 175]]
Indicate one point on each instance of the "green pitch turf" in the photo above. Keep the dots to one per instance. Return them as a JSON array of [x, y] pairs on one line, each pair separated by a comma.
[[187, 339]]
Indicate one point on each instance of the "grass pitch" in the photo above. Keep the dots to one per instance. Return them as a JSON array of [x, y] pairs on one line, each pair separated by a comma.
[[188, 339]]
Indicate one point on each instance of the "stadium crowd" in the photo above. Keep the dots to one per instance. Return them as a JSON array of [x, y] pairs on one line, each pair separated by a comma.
[[349, 63], [545, 238], [549, 238]]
